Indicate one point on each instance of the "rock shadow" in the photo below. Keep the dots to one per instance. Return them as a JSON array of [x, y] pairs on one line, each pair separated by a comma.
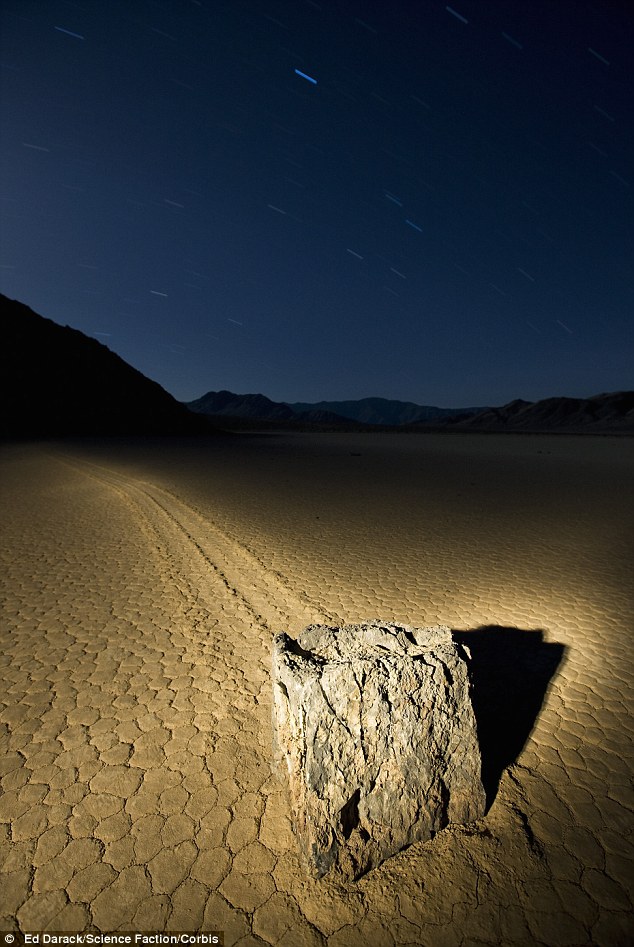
[[510, 672]]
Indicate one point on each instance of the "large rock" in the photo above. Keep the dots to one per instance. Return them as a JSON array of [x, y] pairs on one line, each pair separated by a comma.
[[374, 725]]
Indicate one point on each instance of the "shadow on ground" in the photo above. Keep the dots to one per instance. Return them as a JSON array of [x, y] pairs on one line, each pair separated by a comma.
[[510, 671]]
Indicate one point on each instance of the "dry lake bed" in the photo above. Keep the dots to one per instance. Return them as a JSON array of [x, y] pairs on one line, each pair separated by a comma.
[[142, 583]]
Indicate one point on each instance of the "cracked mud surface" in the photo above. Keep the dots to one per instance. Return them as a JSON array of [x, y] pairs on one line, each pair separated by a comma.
[[141, 586]]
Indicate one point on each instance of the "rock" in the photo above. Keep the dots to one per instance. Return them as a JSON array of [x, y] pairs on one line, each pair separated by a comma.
[[374, 726]]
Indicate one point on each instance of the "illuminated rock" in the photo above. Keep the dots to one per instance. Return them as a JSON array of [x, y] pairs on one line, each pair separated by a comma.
[[374, 727]]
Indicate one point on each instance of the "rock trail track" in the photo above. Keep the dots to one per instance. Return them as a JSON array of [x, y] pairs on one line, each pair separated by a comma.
[[191, 538], [136, 747]]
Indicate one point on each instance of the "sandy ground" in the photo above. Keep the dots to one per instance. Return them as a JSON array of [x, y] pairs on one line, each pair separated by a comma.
[[141, 585]]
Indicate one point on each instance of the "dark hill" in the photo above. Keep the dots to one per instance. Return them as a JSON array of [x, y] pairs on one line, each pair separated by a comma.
[[601, 414], [611, 413], [56, 381], [228, 404], [384, 411], [348, 415]]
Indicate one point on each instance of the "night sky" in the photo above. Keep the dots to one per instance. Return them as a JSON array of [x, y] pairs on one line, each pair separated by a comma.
[[330, 199]]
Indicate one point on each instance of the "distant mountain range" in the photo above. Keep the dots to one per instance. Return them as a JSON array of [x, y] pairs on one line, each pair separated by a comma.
[[56, 381], [605, 413], [368, 412], [385, 411]]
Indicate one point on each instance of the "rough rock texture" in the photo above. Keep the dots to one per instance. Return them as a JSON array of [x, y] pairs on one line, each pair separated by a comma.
[[375, 726]]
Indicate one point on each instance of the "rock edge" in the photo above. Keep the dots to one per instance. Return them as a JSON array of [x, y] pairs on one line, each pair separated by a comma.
[[374, 728]]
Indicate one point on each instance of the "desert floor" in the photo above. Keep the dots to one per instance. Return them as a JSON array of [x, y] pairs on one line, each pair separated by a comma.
[[141, 584]]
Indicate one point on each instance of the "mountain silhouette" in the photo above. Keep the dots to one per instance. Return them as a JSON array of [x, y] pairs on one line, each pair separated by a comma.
[[600, 414], [259, 408], [56, 381], [227, 404], [385, 411], [356, 415], [611, 413]]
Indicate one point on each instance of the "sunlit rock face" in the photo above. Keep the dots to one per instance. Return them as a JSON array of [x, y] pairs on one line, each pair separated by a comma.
[[374, 728]]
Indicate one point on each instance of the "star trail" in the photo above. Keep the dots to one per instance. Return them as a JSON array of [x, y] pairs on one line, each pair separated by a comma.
[[327, 200]]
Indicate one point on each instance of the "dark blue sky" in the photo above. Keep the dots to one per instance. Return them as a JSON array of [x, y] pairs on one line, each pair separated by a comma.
[[445, 216]]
